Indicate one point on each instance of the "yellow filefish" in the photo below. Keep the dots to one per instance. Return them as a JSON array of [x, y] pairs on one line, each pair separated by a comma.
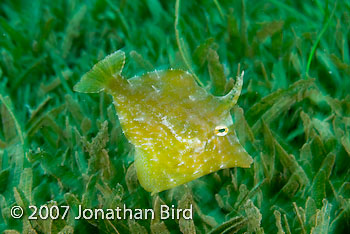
[[180, 132]]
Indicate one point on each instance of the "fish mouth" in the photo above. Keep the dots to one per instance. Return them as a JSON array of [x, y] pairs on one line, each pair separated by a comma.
[[248, 163]]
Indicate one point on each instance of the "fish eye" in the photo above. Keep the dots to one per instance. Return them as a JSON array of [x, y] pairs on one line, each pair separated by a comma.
[[221, 130]]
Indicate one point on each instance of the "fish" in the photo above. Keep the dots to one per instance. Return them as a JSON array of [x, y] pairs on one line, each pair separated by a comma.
[[180, 131]]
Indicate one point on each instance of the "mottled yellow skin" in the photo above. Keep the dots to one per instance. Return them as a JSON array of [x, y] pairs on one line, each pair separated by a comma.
[[171, 122]]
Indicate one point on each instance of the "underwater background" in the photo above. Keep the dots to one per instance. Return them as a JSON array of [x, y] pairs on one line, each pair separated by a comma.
[[62, 148]]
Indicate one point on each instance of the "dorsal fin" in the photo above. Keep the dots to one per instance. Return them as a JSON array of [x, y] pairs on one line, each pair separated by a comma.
[[232, 97], [102, 74]]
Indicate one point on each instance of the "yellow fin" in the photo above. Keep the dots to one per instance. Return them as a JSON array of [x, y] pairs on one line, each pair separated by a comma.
[[103, 74]]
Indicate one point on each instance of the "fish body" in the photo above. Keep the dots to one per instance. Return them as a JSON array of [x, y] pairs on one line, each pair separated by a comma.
[[179, 131]]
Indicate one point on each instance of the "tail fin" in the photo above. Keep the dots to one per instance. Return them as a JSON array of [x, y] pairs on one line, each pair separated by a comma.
[[102, 73]]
